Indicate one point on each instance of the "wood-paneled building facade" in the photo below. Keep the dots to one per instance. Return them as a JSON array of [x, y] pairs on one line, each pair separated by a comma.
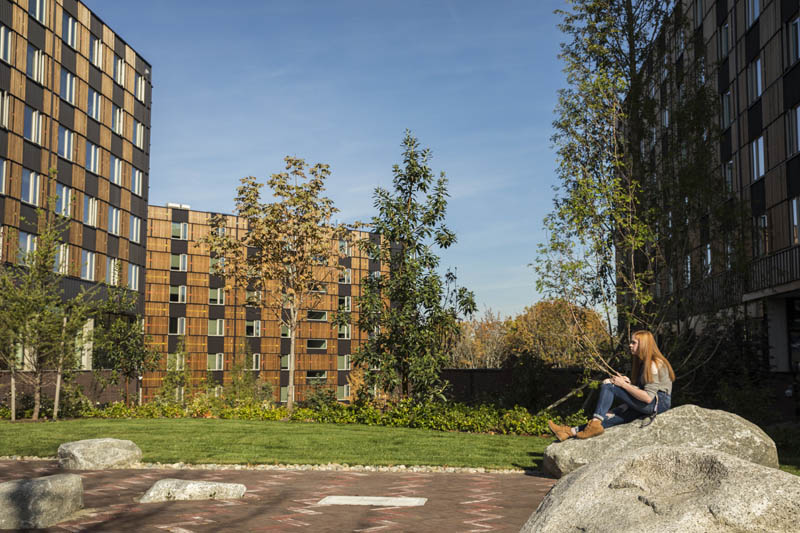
[[184, 301], [75, 98]]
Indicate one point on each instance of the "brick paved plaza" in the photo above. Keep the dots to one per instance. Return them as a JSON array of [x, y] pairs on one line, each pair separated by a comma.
[[286, 500]]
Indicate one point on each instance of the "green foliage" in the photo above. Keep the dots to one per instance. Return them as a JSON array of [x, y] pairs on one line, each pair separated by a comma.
[[412, 312], [245, 387]]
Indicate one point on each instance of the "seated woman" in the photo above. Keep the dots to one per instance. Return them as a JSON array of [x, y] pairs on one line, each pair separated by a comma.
[[649, 396]]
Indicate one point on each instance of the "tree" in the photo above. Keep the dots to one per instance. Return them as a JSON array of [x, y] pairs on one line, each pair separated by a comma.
[[556, 332], [119, 340], [481, 342], [178, 377], [41, 327], [636, 144], [290, 251], [412, 313]]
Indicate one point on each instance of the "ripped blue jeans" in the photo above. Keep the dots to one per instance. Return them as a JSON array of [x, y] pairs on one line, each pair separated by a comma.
[[630, 409]]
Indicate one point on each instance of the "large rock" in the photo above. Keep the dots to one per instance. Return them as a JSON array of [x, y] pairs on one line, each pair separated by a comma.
[[40, 502], [671, 489], [687, 425], [98, 454], [165, 490]]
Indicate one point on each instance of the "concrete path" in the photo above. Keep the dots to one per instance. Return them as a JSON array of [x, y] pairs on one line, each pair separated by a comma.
[[287, 500]]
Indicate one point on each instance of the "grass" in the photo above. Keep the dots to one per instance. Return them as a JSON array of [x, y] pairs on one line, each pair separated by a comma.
[[198, 441]]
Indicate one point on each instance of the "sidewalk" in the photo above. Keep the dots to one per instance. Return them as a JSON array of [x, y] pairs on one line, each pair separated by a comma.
[[286, 500]]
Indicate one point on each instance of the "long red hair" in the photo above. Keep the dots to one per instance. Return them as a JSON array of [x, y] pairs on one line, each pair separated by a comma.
[[647, 354]]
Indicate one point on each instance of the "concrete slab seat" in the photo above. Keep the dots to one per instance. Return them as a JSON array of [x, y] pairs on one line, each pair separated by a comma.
[[167, 490]]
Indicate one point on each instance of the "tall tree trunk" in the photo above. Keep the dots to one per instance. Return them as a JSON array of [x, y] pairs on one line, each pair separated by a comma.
[[59, 369], [37, 394], [13, 395], [292, 342]]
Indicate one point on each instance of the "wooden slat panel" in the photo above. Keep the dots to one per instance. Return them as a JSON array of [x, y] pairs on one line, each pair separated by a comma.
[[197, 311]]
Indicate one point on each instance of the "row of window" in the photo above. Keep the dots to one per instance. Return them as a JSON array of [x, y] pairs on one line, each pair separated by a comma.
[[70, 33], [252, 328], [216, 361], [27, 244], [216, 296]]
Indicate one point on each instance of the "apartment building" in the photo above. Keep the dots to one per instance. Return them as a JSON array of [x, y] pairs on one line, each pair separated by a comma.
[[186, 304], [75, 103]]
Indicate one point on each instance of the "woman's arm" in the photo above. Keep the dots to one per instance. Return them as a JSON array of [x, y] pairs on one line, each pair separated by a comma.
[[625, 383]]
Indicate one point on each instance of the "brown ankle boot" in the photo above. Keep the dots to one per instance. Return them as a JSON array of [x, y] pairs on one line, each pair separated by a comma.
[[562, 433], [592, 429]]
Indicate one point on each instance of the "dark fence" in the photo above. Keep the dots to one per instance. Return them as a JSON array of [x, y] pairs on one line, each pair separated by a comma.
[[86, 380], [501, 385]]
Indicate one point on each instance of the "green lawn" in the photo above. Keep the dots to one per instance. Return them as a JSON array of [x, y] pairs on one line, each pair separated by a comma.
[[239, 441]]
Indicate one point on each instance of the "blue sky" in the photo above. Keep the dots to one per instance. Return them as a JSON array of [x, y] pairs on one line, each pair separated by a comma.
[[237, 86]]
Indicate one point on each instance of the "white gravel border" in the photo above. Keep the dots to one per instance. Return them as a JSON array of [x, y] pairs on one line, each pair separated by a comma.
[[326, 467]]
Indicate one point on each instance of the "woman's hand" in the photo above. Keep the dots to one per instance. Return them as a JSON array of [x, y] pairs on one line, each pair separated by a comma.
[[620, 381]]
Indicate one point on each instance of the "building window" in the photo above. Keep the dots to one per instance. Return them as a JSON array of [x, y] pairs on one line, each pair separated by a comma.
[[94, 104], [344, 331], [317, 316], [284, 394], [116, 170], [665, 118], [34, 66], [27, 243], [63, 200], [252, 298], [136, 229], [67, 86], [761, 238], [284, 362], [316, 377], [66, 142], [176, 361], [343, 362], [38, 10], [216, 265], [30, 187], [133, 277], [177, 294], [139, 86], [752, 10], [319, 288], [89, 210], [3, 166], [343, 392], [252, 328], [687, 270], [284, 331], [136, 181], [69, 30], [61, 265], [757, 158], [117, 119], [138, 134], [178, 262], [180, 230], [95, 51], [316, 344], [754, 80], [344, 303], [87, 265], [119, 70], [92, 158], [33, 125], [345, 275], [112, 271], [113, 220], [5, 106], [724, 40], [727, 110], [344, 247], [793, 130], [5, 44], [256, 362], [795, 220], [727, 176], [216, 296], [216, 361], [216, 327], [177, 325]]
